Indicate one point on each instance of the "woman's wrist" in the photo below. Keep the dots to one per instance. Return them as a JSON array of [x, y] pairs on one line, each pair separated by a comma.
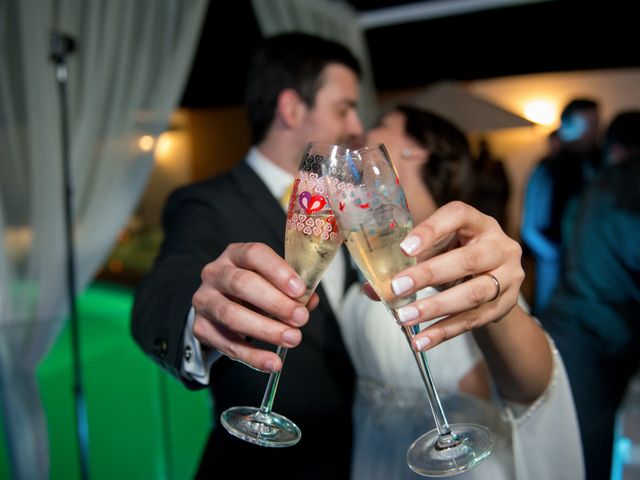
[[518, 355]]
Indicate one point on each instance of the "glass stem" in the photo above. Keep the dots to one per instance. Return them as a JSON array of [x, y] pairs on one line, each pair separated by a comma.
[[274, 377], [272, 385], [447, 439]]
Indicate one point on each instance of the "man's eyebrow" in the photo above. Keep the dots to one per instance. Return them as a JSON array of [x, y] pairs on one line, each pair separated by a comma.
[[349, 102]]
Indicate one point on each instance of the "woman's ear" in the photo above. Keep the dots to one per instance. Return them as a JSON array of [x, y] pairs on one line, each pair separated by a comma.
[[290, 108], [422, 155], [415, 155]]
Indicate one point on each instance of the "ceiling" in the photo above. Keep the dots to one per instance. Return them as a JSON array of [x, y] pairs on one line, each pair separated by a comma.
[[548, 36]]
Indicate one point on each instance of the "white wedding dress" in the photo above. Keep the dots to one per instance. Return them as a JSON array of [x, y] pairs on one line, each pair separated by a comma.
[[391, 409]]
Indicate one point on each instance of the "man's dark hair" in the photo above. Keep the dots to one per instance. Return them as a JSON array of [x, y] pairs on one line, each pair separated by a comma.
[[291, 60], [578, 105]]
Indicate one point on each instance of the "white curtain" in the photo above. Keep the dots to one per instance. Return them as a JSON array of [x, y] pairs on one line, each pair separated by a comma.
[[125, 78], [332, 20]]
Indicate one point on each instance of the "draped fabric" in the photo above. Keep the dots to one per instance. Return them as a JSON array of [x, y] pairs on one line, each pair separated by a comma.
[[125, 77], [328, 19]]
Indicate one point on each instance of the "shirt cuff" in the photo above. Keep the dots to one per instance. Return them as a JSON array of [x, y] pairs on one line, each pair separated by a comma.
[[196, 364]]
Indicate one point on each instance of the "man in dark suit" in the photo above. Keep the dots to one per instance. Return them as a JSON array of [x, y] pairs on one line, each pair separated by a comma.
[[220, 289]]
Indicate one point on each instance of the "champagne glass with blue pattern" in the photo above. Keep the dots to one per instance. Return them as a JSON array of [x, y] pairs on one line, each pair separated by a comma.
[[373, 216]]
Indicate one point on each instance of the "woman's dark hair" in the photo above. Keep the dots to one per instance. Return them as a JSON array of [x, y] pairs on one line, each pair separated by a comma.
[[449, 172], [290, 60]]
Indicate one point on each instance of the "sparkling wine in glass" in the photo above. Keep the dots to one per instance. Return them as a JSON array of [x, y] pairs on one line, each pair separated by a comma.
[[374, 218], [312, 240]]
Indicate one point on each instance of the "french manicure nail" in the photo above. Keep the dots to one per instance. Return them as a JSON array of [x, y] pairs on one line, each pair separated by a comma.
[[410, 244], [401, 285], [406, 314], [422, 342]]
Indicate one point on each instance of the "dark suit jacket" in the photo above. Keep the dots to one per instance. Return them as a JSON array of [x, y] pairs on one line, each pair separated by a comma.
[[316, 387]]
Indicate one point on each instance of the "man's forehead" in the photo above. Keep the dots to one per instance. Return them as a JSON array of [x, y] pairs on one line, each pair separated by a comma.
[[341, 82]]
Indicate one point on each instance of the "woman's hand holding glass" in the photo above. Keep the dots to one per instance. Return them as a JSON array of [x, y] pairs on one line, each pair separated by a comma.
[[466, 251], [459, 246]]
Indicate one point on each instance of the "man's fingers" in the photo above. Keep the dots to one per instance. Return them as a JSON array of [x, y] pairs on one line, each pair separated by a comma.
[[215, 310], [261, 259], [250, 292], [233, 346], [250, 288]]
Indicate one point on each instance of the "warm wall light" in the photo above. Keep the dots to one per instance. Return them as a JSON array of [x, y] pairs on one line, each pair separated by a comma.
[[146, 143], [164, 146], [542, 111]]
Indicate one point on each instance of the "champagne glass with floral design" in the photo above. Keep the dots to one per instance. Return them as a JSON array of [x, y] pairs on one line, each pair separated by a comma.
[[312, 240], [373, 216]]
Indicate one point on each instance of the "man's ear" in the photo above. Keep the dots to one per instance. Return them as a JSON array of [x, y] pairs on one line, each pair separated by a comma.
[[290, 108]]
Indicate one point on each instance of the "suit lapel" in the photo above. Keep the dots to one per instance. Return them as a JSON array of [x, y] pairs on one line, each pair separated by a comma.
[[259, 199]]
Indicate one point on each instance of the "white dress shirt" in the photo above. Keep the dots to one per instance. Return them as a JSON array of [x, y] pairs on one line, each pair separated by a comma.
[[195, 365]]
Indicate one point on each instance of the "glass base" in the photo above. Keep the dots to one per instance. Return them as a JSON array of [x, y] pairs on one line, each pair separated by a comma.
[[266, 430], [468, 446]]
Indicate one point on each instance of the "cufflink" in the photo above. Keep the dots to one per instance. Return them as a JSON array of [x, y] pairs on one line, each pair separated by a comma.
[[160, 347]]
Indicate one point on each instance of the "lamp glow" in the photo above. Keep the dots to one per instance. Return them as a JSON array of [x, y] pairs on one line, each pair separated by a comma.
[[543, 112], [164, 146], [146, 143]]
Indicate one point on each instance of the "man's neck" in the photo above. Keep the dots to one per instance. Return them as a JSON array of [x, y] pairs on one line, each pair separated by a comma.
[[282, 154]]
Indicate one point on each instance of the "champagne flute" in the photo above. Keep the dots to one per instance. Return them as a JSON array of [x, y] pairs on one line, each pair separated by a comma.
[[373, 216], [312, 240]]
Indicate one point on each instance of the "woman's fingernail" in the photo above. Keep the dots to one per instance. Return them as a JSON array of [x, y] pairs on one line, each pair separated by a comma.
[[410, 244], [406, 314], [422, 342], [270, 366], [401, 285]]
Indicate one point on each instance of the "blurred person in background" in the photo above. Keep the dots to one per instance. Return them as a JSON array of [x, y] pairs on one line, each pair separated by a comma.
[[552, 191], [593, 314]]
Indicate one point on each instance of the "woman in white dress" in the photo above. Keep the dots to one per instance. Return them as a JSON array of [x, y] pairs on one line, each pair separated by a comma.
[[505, 373]]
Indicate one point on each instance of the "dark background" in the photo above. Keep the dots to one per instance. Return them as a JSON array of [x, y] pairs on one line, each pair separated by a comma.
[[533, 38]]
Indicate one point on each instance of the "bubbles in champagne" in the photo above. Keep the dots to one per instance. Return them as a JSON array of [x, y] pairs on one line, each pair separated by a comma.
[[377, 252], [310, 254]]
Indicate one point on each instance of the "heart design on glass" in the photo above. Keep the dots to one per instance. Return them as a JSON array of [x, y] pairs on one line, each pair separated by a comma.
[[311, 203]]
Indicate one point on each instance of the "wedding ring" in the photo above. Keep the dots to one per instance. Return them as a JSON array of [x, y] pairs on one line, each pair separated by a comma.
[[497, 284]]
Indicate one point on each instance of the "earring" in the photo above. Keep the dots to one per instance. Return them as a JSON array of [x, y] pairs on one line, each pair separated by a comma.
[[406, 152]]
